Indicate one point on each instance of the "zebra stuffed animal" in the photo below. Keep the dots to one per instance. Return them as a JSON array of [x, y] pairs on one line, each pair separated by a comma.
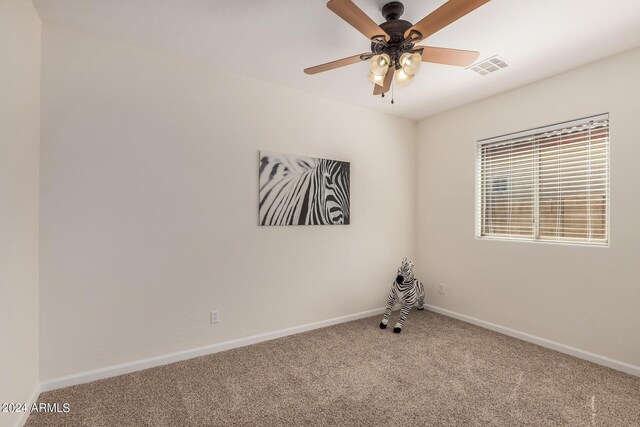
[[407, 289]]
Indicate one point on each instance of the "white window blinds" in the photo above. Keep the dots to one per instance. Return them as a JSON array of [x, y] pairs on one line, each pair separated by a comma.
[[547, 184]]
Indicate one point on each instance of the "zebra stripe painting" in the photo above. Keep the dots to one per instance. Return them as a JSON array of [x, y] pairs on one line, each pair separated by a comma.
[[298, 190]]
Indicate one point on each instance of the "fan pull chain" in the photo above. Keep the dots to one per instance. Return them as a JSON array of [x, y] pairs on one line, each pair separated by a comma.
[[392, 86]]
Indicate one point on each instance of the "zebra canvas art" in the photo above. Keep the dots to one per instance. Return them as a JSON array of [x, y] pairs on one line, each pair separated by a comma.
[[298, 190]]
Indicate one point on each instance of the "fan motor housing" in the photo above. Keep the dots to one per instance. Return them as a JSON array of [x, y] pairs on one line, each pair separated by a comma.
[[394, 27]]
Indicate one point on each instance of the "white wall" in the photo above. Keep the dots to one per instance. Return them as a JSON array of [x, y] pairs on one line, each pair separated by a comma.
[[149, 205], [584, 297], [19, 159]]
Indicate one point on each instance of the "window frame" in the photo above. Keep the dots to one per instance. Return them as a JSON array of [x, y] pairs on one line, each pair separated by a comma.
[[480, 194]]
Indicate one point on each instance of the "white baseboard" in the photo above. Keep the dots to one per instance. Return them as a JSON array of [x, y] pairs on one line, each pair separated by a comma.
[[562, 348], [32, 399], [125, 368]]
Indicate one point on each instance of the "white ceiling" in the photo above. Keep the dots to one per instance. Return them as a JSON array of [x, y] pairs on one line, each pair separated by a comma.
[[274, 40]]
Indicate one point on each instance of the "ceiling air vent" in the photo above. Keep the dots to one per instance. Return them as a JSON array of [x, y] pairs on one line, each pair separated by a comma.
[[489, 65]]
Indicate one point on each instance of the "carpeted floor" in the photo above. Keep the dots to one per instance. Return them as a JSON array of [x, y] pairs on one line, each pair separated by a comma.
[[437, 372]]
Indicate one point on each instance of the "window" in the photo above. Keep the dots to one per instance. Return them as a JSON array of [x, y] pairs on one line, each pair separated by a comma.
[[546, 184]]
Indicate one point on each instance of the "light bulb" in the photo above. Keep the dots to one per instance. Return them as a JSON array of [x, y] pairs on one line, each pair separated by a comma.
[[410, 63], [379, 80], [379, 64], [402, 77]]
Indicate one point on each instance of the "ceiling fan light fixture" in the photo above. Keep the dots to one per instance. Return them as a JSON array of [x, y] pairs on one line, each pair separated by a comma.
[[410, 63], [394, 48], [379, 64]]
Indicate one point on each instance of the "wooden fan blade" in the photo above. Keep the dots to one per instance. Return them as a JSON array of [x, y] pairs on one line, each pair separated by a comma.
[[446, 14], [386, 84], [355, 17], [334, 64], [441, 55]]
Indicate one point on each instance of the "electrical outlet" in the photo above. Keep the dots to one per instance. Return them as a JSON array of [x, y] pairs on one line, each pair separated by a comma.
[[441, 289], [215, 316]]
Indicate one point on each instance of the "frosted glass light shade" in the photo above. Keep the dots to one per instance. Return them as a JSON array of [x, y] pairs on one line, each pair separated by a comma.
[[379, 64], [379, 80], [402, 77], [410, 63]]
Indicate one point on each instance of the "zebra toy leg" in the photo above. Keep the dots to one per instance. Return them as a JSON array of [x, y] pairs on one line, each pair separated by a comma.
[[404, 311], [391, 302], [420, 289]]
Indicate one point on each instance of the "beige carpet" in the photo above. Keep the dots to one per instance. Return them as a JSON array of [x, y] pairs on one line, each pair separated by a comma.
[[438, 371]]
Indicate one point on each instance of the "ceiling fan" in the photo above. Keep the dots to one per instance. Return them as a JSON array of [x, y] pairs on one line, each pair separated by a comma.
[[394, 48]]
